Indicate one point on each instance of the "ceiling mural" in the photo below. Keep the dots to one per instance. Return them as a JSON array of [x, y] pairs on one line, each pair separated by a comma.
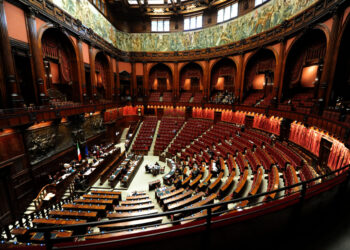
[[261, 19]]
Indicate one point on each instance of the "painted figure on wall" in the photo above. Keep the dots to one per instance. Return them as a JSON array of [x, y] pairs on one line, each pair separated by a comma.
[[261, 19]]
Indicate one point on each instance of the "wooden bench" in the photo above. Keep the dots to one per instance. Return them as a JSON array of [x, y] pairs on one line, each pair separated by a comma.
[[133, 208], [195, 182], [105, 192], [186, 202], [108, 203], [274, 180], [38, 237], [138, 197], [186, 181], [257, 181], [242, 183], [228, 183], [88, 215], [179, 197], [135, 202], [170, 195], [204, 212], [205, 183], [203, 202], [213, 186], [101, 209], [160, 193], [112, 215], [114, 198], [21, 233], [133, 223]]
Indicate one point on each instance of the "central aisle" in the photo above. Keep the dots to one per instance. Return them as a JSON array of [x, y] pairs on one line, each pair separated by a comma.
[[141, 179]]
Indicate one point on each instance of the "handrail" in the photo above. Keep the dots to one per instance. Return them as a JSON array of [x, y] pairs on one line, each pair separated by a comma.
[[39, 198], [208, 207]]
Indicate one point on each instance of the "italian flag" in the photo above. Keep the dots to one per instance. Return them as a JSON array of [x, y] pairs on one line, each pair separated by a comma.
[[78, 152]]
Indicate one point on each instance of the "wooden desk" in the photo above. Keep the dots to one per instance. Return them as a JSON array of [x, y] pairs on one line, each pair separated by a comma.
[[88, 215], [186, 202], [132, 208], [153, 185], [203, 202], [177, 198], [108, 203], [115, 198], [135, 202], [21, 233], [256, 185], [138, 197], [274, 177], [228, 183], [134, 223], [105, 192], [242, 182], [195, 182], [160, 193], [172, 194], [216, 183], [131, 214], [185, 182], [53, 221], [90, 207], [39, 236], [205, 182]]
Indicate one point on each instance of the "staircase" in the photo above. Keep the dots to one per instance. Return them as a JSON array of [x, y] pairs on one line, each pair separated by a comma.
[[133, 140], [151, 151], [124, 134], [178, 132]]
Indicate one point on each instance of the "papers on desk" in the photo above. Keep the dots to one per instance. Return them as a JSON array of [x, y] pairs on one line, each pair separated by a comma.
[[65, 176], [88, 172], [97, 162], [49, 196]]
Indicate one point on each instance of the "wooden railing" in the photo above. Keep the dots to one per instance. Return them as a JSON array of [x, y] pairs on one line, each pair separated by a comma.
[[56, 189]]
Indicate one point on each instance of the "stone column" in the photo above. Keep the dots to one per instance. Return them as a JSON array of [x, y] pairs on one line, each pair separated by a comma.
[[117, 90], [279, 72], [11, 88], [133, 86], [92, 72], [145, 79], [81, 69], [330, 63], [176, 78]]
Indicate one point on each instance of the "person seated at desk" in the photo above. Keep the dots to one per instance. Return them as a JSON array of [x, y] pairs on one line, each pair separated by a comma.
[[195, 171], [214, 169], [147, 168]]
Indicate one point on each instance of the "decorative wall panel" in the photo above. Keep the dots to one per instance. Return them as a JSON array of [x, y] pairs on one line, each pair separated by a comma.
[[269, 15]]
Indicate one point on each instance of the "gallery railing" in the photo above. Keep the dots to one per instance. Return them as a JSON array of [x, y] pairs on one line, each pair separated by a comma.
[[307, 190]]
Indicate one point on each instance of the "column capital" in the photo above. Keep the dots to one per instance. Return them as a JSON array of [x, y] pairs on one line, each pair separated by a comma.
[[31, 12]]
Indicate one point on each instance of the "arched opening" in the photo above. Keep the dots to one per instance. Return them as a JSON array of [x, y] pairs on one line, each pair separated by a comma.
[[125, 85], [303, 70], [61, 68], [160, 78], [341, 83], [25, 78], [222, 84], [103, 87], [259, 78], [191, 78]]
